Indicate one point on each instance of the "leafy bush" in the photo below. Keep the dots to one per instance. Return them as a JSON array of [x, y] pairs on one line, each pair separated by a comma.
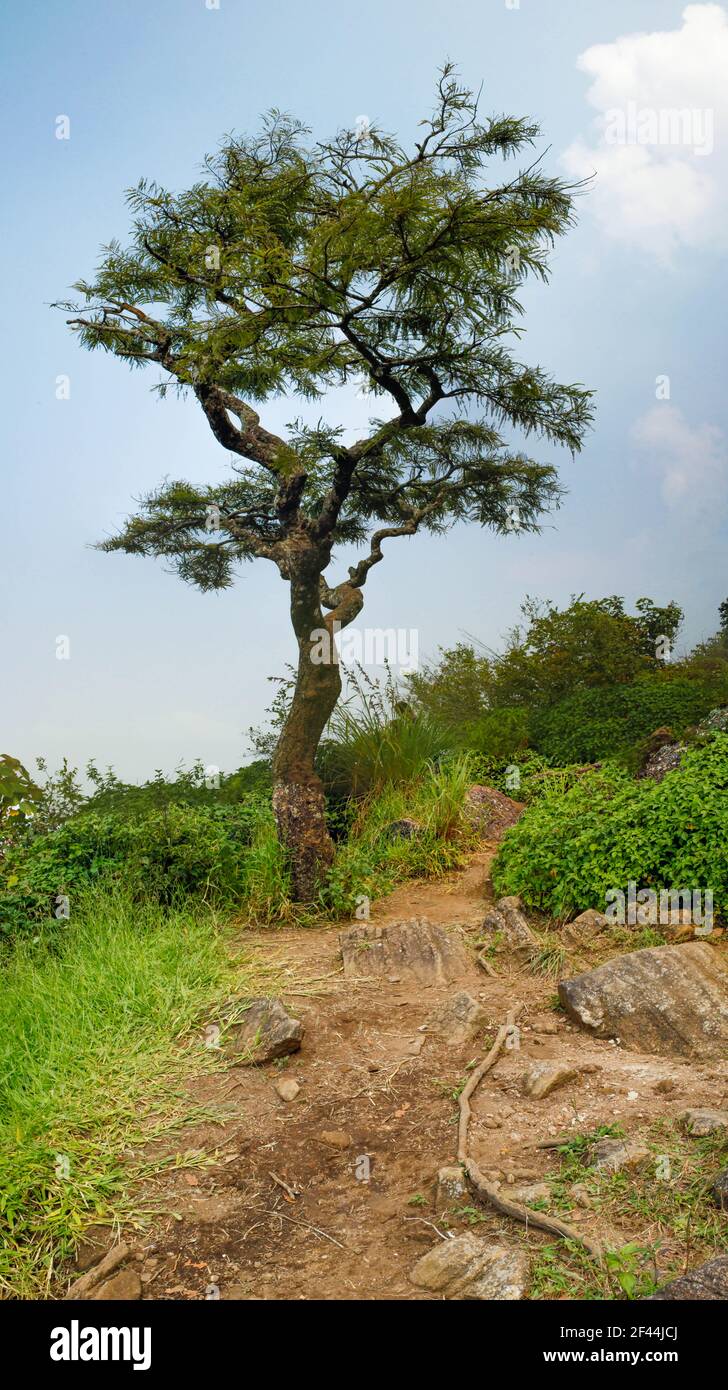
[[218, 853], [601, 722], [607, 830]]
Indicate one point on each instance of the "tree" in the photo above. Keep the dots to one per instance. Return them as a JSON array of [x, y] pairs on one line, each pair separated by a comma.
[[293, 267]]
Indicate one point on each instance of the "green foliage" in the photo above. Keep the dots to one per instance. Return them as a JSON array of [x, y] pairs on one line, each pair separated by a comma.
[[19, 795], [374, 738], [601, 722], [89, 1044], [292, 267], [219, 854], [370, 862], [567, 851]]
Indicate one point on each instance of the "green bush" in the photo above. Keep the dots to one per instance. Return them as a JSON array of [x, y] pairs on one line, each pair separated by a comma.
[[604, 721], [217, 853], [608, 830]]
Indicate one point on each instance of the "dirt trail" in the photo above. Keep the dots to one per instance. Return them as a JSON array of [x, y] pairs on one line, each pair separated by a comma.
[[366, 1071]]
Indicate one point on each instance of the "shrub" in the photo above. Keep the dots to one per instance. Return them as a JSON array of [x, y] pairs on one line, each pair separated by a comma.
[[217, 853], [601, 722], [607, 830]]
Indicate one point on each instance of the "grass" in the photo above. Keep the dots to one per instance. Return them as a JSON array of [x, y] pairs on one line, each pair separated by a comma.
[[666, 1207], [91, 1068]]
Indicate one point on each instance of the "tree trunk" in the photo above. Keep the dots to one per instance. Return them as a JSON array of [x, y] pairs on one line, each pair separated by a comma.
[[298, 795]]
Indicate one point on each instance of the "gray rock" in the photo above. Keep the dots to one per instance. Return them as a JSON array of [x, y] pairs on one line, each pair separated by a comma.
[[613, 1155], [719, 1190], [266, 1032], [459, 1019], [671, 1000], [404, 829], [714, 723], [467, 1267], [664, 760], [701, 1123], [707, 1283], [515, 930], [451, 1187], [542, 1078], [417, 949], [531, 1192]]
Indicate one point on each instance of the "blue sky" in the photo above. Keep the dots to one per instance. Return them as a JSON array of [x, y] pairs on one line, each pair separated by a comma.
[[159, 673]]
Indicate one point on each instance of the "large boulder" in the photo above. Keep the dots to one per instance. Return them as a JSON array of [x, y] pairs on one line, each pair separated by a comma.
[[418, 950], [491, 810], [671, 1000]]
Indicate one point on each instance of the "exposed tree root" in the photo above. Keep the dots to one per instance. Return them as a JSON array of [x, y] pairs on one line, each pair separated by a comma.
[[487, 1191]]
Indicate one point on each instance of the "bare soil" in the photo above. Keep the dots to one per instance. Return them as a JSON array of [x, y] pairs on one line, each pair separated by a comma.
[[280, 1212]]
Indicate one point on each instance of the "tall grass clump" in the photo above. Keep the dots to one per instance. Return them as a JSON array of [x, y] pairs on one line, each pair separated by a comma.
[[91, 1066]]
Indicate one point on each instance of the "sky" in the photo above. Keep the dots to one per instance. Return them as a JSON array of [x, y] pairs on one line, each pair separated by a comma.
[[113, 658]]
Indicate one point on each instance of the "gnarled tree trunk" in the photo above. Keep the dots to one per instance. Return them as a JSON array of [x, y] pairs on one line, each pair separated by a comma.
[[298, 794]]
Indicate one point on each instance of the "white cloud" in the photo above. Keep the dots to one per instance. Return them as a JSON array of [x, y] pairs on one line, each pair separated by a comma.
[[691, 462], [658, 148]]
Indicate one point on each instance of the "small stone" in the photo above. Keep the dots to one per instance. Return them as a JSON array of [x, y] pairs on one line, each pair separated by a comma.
[[335, 1138], [266, 1032], [287, 1088], [531, 1192], [415, 1047], [451, 1186], [720, 1190], [665, 1086], [516, 932], [612, 1155], [544, 1077], [467, 1267], [543, 1024], [459, 1019], [404, 829], [701, 1123], [126, 1285]]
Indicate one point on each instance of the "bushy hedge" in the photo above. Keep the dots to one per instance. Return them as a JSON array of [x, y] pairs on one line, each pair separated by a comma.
[[569, 849], [160, 854], [603, 721]]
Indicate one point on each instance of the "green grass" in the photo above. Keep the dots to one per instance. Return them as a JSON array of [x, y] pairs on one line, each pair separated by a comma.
[[91, 1068]]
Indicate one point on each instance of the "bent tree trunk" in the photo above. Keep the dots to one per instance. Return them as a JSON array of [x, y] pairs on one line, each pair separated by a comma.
[[298, 794]]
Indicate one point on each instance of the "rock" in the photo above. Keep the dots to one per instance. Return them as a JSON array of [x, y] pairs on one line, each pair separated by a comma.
[[458, 1019], [92, 1247], [714, 723], [126, 1285], [707, 1283], [587, 925], [700, 1123], [531, 1192], [238, 1291], [514, 928], [719, 1190], [266, 1032], [467, 1267], [404, 829], [665, 999], [335, 1138], [491, 810], [613, 1155], [664, 755], [415, 950], [287, 1088], [543, 1024], [544, 1077], [451, 1187]]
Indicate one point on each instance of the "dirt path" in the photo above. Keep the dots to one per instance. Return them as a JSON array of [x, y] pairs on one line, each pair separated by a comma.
[[358, 1216]]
